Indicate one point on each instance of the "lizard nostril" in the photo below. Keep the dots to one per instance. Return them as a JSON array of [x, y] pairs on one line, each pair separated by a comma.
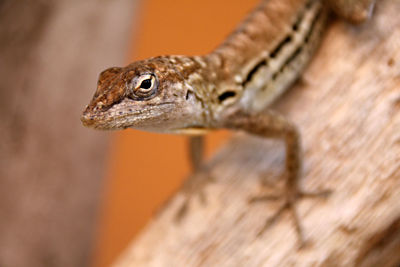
[[87, 119]]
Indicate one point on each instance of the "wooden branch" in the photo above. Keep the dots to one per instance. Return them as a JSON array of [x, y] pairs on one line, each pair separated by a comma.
[[347, 106]]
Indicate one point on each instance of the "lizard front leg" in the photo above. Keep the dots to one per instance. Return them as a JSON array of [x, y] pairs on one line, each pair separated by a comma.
[[273, 125], [196, 151], [200, 177]]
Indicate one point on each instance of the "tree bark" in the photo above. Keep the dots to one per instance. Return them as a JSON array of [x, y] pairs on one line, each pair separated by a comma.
[[51, 167], [347, 106]]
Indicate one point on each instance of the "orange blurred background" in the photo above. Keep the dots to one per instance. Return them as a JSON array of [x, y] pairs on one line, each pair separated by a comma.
[[146, 168]]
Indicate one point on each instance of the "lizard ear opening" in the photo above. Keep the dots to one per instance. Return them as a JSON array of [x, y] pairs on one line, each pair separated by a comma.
[[189, 94]]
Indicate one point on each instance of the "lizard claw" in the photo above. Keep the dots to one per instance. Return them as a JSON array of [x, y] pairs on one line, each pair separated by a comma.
[[194, 187], [290, 200]]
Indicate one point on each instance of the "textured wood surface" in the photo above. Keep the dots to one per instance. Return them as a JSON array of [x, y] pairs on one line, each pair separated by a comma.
[[347, 106]]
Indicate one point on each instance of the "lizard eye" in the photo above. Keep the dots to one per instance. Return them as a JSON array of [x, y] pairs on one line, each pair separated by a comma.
[[145, 86]]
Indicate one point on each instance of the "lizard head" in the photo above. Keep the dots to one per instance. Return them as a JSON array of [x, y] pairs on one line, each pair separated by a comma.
[[149, 95]]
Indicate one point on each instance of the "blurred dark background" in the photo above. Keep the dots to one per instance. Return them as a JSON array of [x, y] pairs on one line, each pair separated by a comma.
[[71, 196]]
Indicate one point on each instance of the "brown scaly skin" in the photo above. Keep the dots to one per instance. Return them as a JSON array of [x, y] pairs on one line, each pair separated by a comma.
[[231, 87], [116, 106]]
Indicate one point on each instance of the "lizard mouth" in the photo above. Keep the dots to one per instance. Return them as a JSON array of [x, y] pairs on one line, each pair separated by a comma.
[[104, 122], [94, 121], [122, 117]]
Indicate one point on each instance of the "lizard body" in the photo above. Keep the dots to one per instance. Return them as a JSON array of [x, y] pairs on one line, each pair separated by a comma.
[[248, 72], [231, 87]]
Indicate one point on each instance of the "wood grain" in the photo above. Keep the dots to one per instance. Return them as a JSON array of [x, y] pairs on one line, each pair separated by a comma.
[[347, 106]]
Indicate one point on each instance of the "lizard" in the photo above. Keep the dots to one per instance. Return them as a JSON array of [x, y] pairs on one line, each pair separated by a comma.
[[231, 87]]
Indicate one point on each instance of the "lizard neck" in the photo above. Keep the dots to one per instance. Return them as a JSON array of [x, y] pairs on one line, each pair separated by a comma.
[[266, 53]]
